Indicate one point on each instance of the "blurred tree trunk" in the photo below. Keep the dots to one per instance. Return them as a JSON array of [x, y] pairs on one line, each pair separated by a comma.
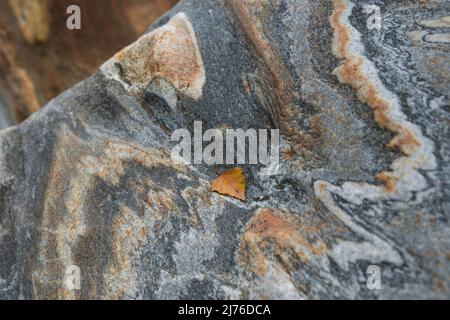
[[40, 57]]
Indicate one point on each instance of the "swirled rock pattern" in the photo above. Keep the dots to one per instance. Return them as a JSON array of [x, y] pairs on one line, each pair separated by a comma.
[[364, 116]]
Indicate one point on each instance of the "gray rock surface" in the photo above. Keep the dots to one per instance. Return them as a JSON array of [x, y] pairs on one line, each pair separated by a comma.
[[364, 178]]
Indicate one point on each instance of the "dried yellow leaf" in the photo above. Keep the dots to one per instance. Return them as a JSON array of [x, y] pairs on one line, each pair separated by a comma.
[[231, 183]]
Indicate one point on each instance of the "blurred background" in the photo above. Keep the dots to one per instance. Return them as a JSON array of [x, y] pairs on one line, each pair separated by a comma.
[[40, 57]]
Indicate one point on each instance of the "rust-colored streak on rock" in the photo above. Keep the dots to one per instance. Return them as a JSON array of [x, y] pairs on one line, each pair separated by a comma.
[[170, 53], [342, 36], [65, 236], [129, 234], [279, 233], [253, 16], [351, 72], [388, 179], [356, 71]]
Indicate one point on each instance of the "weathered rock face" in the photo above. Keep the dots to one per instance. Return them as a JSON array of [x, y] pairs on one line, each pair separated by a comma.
[[364, 117]]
